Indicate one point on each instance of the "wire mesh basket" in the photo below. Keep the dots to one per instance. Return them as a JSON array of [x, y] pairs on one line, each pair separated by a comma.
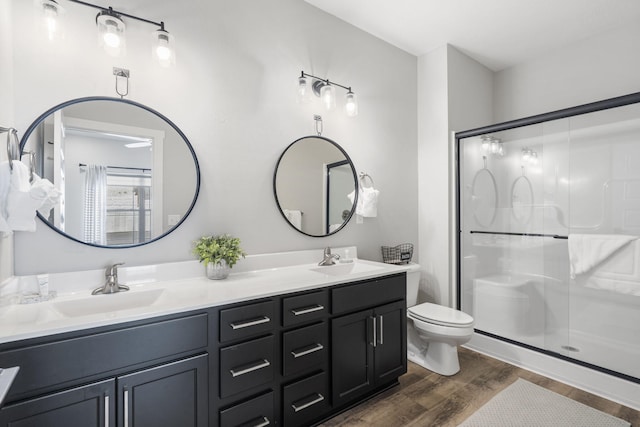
[[400, 254]]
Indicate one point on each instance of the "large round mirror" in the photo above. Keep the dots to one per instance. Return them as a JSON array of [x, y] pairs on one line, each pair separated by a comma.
[[484, 197], [315, 186], [126, 174]]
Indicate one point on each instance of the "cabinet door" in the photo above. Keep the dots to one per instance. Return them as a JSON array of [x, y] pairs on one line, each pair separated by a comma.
[[87, 406], [352, 356], [391, 344], [174, 394]]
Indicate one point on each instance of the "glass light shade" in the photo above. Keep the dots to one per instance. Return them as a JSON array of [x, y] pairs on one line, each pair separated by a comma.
[[485, 143], [526, 155], [112, 33], [351, 104], [51, 16], [328, 96], [163, 48], [494, 146], [304, 90]]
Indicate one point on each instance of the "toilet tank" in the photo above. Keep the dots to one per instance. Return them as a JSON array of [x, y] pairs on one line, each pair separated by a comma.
[[413, 284]]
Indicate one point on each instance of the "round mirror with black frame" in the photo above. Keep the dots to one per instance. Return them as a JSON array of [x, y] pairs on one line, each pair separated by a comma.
[[315, 186], [127, 175]]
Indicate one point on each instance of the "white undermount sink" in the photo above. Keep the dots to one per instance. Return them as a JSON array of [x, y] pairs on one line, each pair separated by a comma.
[[346, 269], [96, 304]]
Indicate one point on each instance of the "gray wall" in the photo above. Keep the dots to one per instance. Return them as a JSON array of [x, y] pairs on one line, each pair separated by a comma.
[[456, 93], [6, 119], [233, 94]]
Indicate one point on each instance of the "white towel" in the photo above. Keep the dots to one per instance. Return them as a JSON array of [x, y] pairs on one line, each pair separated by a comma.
[[294, 217], [5, 178], [48, 192], [21, 204], [588, 250], [24, 198], [367, 205]]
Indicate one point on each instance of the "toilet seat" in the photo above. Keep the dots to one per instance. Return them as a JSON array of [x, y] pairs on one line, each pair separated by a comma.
[[440, 315]]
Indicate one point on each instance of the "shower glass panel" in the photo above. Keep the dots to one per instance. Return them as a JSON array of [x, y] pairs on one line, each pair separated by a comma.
[[549, 220]]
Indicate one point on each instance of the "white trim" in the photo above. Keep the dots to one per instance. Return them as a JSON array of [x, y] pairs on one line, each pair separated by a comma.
[[607, 386]]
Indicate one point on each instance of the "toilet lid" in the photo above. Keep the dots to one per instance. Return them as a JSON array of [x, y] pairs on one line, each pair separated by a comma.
[[440, 315]]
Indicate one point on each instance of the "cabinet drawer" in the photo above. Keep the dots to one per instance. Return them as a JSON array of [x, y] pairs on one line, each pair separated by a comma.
[[305, 401], [247, 320], [245, 366], [368, 294], [256, 412], [61, 362], [304, 308], [304, 349]]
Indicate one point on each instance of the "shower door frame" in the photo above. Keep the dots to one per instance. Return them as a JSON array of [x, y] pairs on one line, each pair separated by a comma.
[[592, 107]]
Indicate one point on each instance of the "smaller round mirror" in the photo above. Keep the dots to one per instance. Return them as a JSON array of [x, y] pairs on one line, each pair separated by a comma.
[[315, 186], [522, 199]]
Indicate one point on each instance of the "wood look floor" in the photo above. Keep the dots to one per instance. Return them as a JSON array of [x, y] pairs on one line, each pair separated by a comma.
[[426, 399]]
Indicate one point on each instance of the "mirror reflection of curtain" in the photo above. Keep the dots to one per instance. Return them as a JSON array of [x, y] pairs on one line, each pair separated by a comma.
[[95, 205]]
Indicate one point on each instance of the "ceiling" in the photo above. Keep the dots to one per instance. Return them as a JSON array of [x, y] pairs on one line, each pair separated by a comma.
[[496, 33]]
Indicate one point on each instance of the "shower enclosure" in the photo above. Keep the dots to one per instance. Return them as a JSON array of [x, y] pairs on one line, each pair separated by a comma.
[[548, 221]]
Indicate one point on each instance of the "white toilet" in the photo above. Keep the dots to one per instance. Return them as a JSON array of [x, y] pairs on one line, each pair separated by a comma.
[[434, 332]]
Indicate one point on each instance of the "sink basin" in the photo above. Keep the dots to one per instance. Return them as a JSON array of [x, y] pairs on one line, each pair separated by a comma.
[[346, 269], [106, 303]]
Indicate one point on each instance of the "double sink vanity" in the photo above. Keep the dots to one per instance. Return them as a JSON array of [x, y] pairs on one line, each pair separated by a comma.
[[282, 341]]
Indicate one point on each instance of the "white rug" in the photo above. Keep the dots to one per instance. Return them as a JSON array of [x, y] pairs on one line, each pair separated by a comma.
[[527, 404]]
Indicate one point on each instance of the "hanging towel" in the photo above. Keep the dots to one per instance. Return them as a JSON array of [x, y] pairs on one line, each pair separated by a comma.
[[294, 217], [5, 178], [49, 194], [21, 204], [588, 250], [367, 205]]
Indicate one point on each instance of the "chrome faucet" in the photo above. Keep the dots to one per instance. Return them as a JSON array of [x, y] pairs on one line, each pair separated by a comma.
[[329, 259], [111, 284]]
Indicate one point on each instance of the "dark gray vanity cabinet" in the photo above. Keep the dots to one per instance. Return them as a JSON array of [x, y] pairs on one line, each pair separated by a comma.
[[288, 360], [89, 405], [173, 394], [146, 373], [369, 346]]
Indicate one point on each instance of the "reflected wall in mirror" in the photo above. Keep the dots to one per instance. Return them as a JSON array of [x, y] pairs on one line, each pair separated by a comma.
[[312, 181], [127, 175]]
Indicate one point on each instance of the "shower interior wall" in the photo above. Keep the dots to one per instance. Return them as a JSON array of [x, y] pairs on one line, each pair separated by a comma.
[[518, 286]]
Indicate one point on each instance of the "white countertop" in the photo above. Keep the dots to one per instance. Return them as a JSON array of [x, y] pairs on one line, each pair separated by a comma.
[[75, 308]]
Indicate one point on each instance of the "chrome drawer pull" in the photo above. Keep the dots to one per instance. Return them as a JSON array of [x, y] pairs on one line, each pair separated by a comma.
[[262, 364], [313, 349], [375, 333], [318, 399], [381, 330], [261, 422], [126, 408], [252, 322], [106, 410], [307, 310]]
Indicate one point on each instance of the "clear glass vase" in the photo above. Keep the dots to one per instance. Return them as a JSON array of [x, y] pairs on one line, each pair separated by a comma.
[[219, 270]]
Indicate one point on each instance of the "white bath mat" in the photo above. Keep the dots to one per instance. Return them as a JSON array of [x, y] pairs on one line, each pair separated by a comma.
[[526, 404]]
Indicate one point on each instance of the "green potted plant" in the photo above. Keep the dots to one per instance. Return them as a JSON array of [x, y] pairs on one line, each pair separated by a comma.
[[218, 253]]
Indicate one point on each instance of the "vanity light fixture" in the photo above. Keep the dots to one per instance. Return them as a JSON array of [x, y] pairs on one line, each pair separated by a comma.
[[111, 28], [51, 14], [494, 146], [325, 90], [529, 156]]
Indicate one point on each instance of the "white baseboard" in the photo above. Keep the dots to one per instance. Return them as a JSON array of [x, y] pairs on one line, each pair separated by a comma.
[[625, 392]]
